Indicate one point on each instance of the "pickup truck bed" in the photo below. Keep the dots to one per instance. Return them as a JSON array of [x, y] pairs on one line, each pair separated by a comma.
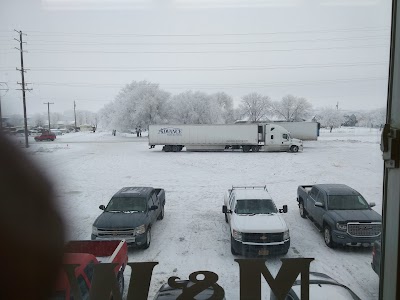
[[105, 251], [86, 254]]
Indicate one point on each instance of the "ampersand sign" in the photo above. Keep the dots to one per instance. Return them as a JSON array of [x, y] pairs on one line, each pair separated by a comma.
[[195, 286]]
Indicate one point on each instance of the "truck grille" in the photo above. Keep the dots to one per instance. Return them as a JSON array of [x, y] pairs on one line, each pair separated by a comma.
[[364, 229], [115, 232], [262, 237]]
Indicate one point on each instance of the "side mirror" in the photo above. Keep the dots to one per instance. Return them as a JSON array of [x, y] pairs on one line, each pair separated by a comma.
[[154, 207], [372, 204], [224, 209], [319, 204], [284, 209], [102, 207]]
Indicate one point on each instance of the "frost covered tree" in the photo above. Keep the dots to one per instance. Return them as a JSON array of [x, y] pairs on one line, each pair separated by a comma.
[[16, 120], [138, 104], [292, 108], [225, 103], [372, 118], [55, 117], [331, 118], [199, 108], [38, 120], [255, 107], [350, 120], [106, 116]]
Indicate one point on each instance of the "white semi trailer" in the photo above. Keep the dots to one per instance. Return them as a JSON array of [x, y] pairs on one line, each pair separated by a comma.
[[306, 131], [247, 137]]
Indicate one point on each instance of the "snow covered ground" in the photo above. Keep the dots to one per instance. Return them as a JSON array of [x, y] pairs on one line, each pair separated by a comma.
[[88, 168]]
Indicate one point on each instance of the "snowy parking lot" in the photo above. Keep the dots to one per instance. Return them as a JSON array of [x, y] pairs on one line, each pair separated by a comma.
[[88, 168]]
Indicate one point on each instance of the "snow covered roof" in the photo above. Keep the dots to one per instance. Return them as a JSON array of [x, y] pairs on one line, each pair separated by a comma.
[[251, 193], [134, 191], [337, 189]]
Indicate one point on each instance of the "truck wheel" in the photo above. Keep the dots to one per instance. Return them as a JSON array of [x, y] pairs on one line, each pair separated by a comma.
[[121, 282], [148, 239], [232, 249], [303, 212], [328, 237], [255, 148], [294, 149], [167, 148], [175, 148], [246, 148], [161, 215]]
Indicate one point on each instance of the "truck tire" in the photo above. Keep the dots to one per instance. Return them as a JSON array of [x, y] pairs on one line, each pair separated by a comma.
[[328, 237], [161, 215], [121, 282], [294, 148], [232, 249], [167, 148], [302, 210], [148, 239], [255, 148], [246, 148]]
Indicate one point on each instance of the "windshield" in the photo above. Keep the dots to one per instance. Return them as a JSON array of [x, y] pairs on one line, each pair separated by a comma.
[[347, 202], [126, 204], [257, 206]]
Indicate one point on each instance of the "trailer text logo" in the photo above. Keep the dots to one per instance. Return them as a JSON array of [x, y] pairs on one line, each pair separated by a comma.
[[170, 131]]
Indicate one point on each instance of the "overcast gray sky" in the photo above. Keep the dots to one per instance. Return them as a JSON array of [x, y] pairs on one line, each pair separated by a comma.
[[327, 51]]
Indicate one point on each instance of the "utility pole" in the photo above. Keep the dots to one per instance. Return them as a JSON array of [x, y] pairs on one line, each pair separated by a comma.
[[6, 90], [75, 115], [23, 84], [48, 112]]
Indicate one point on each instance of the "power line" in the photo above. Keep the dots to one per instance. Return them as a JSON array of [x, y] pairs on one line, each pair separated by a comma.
[[220, 85], [187, 69], [55, 51], [48, 33], [39, 42]]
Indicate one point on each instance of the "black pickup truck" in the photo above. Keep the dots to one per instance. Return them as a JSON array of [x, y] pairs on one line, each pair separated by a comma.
[[130, 215], [341, 212]]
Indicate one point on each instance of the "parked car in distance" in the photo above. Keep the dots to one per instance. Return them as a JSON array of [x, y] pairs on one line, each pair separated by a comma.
[[34, 133], [130, 215], [322, 287], [45, 136], [86, 254], [169, 293], [376, 257], [256, 225], [341, 213]]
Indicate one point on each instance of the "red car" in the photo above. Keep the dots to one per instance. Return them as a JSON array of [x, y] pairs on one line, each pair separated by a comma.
[[45, 136]]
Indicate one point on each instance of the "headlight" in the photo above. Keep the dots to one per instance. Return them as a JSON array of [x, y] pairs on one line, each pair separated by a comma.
[[286, 235], [341, 226], [139, 230], [94, 230], [237, 235]]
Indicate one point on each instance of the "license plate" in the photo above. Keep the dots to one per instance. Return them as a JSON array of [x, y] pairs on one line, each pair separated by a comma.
[[263, 252]]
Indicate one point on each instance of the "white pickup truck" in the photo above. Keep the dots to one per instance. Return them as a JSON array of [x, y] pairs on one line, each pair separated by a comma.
[[256, 225]]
